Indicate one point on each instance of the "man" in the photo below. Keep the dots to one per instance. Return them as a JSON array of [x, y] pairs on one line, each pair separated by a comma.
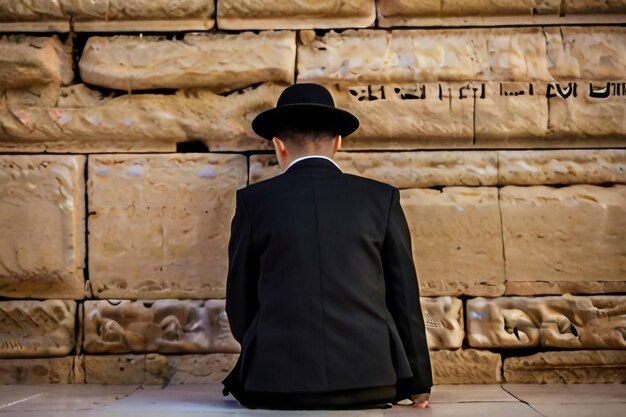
[[322, 291]]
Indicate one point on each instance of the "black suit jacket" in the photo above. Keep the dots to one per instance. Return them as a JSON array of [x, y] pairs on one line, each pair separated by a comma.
[[322, 291]]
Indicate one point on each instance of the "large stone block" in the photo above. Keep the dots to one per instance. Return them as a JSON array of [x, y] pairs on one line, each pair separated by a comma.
[[42, 238], [495, 54], [570, 239], [165, 326], [218, 62], [34, 371], [456, 239], [29, 60], [81, 121], [37, 328], [465, 366], [121, 15], [307, 14], [402, 169], [152, 368], [564, 322], [568, 367], [567, 166], [443, 318], [159, 224]]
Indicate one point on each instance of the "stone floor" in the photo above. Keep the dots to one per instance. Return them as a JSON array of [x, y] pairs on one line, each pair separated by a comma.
[[506, 400]]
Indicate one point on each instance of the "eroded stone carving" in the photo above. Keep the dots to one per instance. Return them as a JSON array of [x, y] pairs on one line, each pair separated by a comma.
[[218, 62], [569, 166], [42, 247], [564, 321], [443, 318], [166, 326], [307, 14], [36, 328], [568, 239], [511, 54], [457, 240], [403, 169], [465, 366], [159, 224], [153, 368], [568, 367], [29, 60], [81, 122]]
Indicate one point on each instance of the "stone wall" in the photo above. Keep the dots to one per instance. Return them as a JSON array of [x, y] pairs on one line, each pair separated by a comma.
[[125, 132]]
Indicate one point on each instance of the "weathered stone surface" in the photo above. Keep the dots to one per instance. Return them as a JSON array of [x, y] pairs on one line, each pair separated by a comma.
[[567, 367], [565, 322], [165, 326], [153, 368], [420, 118], [33, 10], [511, 113], [586, 6], [496, 54], [36, 328], [159, 224], [308, 14], [218, 62], [456, 239], [569, 239], [465, 366], [42, 239], [568, 166], [32, 371], [28, 60], [402, 169], [443, 318], [580, 116], [81, 122]]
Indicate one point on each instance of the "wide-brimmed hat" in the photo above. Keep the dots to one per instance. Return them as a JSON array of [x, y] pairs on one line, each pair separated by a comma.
[[305, 106]]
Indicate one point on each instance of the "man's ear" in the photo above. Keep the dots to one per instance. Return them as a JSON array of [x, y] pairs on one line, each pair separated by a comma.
[[280, 148], [337, 144]]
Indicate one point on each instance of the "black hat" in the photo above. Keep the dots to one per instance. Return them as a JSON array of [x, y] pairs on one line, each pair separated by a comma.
[[305, 106]]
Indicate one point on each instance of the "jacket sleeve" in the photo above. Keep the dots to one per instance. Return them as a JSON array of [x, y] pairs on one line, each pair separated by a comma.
[[402, 298], [243, 273]]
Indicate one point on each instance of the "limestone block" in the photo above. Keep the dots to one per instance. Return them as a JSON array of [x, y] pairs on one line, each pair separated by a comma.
[[36, 328], [579, 116], [153, 232], [568, 367], [35, 10], [28, 60], [81, 122], [218, 62], [402, 169], [165, 326], [443, 318], [42, 243], [423, 116], [570, 239], [511, 113], [465, 366], [586, 6], [33, 371], [456, 239], [563, 321], [568, 166], [308, 14], [153, 368], [495, 54]]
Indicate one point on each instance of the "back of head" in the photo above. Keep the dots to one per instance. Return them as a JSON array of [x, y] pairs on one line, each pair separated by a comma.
[[303, 142]]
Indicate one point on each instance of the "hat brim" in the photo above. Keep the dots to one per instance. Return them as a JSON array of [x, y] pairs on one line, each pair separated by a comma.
[[304, 116]]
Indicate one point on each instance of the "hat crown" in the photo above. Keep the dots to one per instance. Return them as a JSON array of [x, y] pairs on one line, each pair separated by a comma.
[[305, 93]]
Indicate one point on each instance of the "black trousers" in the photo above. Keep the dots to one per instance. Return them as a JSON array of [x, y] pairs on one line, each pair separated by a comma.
[[357, 398]]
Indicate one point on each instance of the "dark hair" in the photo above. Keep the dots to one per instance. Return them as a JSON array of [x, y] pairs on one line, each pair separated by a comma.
[[301, 137]]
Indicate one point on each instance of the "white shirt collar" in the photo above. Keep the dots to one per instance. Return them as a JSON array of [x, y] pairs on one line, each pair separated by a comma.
[[311, 156]]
